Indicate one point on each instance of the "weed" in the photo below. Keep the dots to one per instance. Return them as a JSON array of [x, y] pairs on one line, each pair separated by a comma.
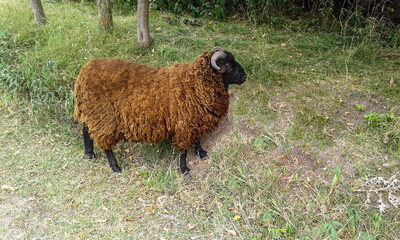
[[354, 218], [330, 229], [265, 142], [392, 137], [359, 107], [381, 193], [377, 221], [365, 236], [337, 173], [376, 120]]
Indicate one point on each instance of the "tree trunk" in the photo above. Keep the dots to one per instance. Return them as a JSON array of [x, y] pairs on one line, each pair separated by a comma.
[[143, 37], [38, 12], [105, 14]]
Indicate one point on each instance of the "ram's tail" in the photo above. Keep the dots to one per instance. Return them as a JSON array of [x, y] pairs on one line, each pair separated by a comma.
[[77, 104]]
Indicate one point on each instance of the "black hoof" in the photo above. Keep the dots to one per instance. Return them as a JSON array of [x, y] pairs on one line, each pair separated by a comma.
[[90, 156], [202, 155], [185, 171], [116, 169]]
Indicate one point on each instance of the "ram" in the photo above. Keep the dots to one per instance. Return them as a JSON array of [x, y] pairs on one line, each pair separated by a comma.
[[118, 100]]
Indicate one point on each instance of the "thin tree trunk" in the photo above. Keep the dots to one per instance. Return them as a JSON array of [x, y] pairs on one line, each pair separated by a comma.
[[105, 14], [38, 12], [143, 36]]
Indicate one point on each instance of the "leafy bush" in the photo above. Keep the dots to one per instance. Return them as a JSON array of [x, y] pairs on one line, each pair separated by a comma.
[[378, 19], [265, 11]]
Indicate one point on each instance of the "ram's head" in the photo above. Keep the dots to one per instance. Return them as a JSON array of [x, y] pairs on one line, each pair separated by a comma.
[[224, 63]]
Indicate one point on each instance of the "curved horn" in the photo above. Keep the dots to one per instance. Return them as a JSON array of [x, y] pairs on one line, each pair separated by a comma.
[[215, 57], [217, 48]]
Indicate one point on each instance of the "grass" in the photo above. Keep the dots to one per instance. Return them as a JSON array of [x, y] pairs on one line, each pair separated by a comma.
[[273, 172]]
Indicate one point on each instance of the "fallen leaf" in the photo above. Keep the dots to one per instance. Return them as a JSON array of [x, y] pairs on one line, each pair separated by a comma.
[[194, 237], [166, 211], [7, 188], [235, 218], [101, 220], [191, 226], [231, 232], [391, 82], [130, 219]]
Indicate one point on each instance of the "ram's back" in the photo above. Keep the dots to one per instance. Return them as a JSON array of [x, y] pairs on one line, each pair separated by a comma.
[[123, 100]]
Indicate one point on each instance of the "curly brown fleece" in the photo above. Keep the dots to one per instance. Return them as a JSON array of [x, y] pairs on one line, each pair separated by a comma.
[[121, 100]]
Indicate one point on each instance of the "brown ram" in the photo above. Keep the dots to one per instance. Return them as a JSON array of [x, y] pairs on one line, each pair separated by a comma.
[[118, 100]]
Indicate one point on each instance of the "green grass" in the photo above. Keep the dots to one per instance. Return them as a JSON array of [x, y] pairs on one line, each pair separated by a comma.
[[273, 161]]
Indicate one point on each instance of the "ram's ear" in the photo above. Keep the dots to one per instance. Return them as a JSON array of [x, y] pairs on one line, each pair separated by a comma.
[[223, 65], [218, 61]]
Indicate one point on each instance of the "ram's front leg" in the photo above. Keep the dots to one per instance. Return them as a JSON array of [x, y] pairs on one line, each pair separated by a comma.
[[182, 163], [113, 161], [201, 153]]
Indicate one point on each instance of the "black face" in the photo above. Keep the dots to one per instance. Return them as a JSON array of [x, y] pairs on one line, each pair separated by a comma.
[[233, 72]]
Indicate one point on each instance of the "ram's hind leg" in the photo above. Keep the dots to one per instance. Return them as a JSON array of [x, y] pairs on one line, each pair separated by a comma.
[[201, 153], [182, 163], [88, 143], [113, 161]]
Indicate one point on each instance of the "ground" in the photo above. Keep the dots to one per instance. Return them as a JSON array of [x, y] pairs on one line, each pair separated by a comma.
[[316, 120]]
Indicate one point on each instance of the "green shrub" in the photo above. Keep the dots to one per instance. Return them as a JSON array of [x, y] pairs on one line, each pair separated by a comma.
[[376, 19]]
